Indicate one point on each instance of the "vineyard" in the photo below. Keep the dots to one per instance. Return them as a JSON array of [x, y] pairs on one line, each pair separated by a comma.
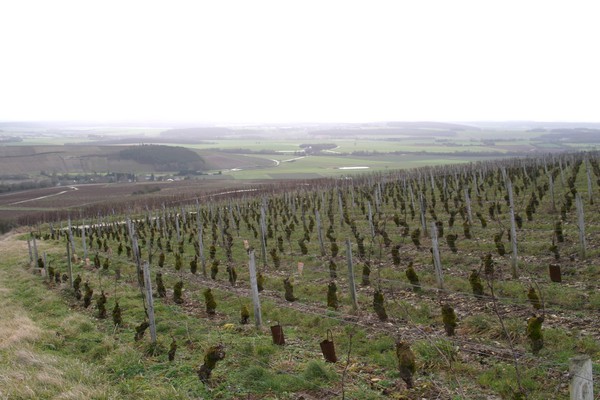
[[475, 281]]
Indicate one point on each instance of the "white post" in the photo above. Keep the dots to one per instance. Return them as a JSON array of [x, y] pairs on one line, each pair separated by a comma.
[[580, 225], [468, 203], [149, 301], [35, 251], [69, 266], [582, 380], [263, 235], [551, 186], [341, 209], [30, 252], [200, 240], [83, 240], [45, 265], [437, 262], [254, 288], [371, 224], [589, 182], [351, 275], [320, 233], [513, 230]]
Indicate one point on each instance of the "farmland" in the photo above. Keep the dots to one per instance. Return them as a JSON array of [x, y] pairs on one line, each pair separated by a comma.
[[41, 156], [392, 220]]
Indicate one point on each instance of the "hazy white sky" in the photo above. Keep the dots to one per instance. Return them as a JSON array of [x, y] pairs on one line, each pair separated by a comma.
[[299, 61]]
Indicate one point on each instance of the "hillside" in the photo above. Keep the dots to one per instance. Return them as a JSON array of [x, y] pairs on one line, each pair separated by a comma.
[[434, 275], [164, 158]]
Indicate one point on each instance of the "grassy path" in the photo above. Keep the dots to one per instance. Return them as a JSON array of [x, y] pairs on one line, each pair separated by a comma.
[[31, 367]]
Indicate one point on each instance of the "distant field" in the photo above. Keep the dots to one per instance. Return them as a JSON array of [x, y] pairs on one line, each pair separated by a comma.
[[324, 166], [267, 154]]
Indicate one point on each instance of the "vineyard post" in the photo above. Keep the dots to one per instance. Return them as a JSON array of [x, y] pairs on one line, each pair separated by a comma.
[[177, 228], [254, 287], [551, 186], [30, 251], [432, 182], [513, 230], [45, 266], [35, 251], [589, 181], [468, 203], [371, 225], [222, 226], [136, 251], [437, 263], [412, 196], [562, 173], [340, 206], [351, 274], [150, 301], [445, 187], [320, 233], [580, 225], [69, 266], [71, 237], [423, 222], [582, 378], [232, 220], [83, 240], [377, 196], [263, 235], [200, 239]]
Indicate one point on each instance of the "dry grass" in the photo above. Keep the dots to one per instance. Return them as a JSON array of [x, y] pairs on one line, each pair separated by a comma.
[[16, 330], [27, 371]]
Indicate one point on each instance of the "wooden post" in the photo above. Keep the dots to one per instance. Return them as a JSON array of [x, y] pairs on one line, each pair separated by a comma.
[[320, 233], [254, 288], [580, 225], [437, 262], [582, 379], [45, 266], [351, 275], [149, 301], [513, 231], [69, 265]]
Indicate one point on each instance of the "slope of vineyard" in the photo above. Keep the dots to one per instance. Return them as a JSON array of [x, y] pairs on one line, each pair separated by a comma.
[[490, 324]]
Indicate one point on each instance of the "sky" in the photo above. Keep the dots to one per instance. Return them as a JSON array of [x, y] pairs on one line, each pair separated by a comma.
[[256, 61]]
